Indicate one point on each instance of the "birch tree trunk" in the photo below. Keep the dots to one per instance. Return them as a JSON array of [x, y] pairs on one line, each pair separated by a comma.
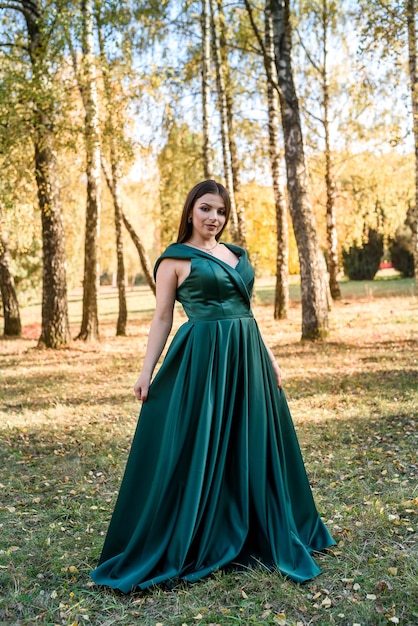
[[207, 148], [11, 314], [90, 322], [312, 266], [412, 55], [229, 101], [113, 182], [331, 218], [226, 70], [222, 104], [281, 295], [55, 330], [55, 324], [120, 274]]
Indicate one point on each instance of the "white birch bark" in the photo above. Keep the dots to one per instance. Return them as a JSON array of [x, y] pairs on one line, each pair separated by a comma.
[[281, 297], [207, 148], [90, 323], [224, 126], [314, 288]]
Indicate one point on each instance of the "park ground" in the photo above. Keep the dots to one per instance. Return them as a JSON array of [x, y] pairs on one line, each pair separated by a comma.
[[67, 419]]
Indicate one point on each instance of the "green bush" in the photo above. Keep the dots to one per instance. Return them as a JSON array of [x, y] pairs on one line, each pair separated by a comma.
[[400, 250], [362, 262]]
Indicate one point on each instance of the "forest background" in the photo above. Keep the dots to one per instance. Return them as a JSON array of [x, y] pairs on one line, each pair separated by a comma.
[[108, 108]]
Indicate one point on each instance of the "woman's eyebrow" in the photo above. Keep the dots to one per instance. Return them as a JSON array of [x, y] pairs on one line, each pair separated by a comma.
[[210, 205]]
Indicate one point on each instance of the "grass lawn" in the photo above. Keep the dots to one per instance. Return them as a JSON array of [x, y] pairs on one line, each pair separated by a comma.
[[67, 419]]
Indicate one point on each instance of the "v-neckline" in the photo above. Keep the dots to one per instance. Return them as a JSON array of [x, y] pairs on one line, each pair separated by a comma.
[[217, 258]]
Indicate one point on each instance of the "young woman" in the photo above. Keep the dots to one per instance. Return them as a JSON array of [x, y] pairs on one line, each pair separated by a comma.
[[215, 476]]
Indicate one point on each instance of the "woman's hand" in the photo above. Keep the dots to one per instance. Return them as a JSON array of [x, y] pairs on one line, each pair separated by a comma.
[[141, 387]]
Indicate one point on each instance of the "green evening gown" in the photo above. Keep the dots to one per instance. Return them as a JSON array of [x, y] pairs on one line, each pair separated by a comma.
[[215, 476]]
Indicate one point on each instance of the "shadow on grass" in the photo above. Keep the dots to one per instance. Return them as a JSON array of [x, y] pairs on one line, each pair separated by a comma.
[[380, 368], [309, 347], [60, 381], [380, 382]]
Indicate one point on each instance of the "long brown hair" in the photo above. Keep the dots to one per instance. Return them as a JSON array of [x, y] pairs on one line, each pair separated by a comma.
[[199, 190]]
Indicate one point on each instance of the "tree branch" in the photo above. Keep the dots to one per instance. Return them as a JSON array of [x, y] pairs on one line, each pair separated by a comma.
[[313, 116], [255, 29], [31, 6], [13, 45], [13, 4], [107, 174], [310, 59], [26, 7], [74, 62], [259, 38], [141, 252]]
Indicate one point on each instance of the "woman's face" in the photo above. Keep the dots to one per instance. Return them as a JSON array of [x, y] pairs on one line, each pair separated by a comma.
[[208, 216]]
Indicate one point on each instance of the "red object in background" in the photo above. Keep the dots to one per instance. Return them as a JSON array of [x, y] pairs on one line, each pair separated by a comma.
[[385, 265]]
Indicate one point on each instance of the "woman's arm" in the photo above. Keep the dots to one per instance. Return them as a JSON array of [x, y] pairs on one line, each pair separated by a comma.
[[166, 285]]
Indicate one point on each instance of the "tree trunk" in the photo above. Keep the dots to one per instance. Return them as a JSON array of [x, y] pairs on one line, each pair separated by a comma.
[[55, 325], [412, 54], [12, 324], [207, 149], [120, 278], [313, 278], [145, 263], [281, 295], [113, 182], [331, 218], [55, 330], [229, 99], [226, 153], [90, 322]]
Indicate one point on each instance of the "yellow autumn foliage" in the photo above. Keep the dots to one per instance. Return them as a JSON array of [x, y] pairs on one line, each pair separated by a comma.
[[257, 202]]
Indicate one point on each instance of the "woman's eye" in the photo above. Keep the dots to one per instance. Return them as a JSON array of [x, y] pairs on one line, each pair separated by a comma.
[[222, 212]]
